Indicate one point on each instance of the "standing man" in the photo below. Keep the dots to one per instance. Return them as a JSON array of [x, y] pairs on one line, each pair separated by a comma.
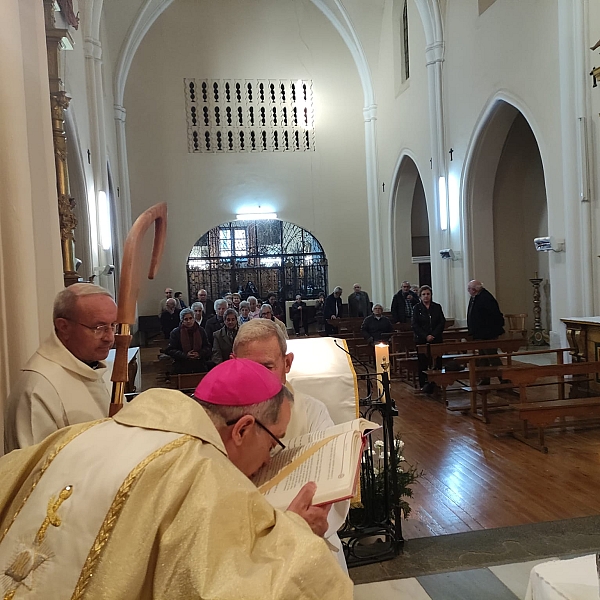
[[403, 304], [485, 321], [299, 316], [163, 302], [163, 490], [358, 303], [333, 309], [62, 384], [207, 304]]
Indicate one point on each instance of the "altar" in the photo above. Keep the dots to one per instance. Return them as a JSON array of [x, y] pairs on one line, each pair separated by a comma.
[[324, 371]]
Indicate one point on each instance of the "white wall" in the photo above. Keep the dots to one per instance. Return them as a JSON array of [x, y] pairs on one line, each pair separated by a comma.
[[323, 191]]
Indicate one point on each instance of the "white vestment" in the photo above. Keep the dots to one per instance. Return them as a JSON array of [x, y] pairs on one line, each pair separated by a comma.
[[310, 414], [54, 390]]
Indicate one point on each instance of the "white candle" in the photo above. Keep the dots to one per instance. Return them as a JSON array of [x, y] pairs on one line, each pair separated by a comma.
[[382, 356]]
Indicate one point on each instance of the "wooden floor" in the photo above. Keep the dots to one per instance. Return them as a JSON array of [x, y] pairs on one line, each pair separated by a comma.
[[477, 476]]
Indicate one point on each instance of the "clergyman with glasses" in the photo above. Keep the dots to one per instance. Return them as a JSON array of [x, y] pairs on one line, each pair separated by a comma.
[[61, 384]]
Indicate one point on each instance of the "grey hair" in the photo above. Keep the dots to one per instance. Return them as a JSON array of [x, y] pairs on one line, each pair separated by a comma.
[[377, 304], [266, 412], [219, 302], [337, 288], [66, 300], [185, 311], [244, 304], [259, 330], [252, 298], [266, 306], [197, 305]]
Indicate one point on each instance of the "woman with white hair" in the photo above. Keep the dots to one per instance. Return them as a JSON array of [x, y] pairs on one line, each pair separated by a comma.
[[254, 309]]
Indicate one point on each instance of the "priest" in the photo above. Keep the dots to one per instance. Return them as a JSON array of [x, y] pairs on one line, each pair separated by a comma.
[[157, 503]]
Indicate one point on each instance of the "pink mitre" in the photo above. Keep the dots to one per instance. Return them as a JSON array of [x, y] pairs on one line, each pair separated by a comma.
[[238, 382]]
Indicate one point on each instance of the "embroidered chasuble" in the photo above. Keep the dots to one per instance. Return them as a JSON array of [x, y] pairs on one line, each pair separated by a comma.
[[148, 506]]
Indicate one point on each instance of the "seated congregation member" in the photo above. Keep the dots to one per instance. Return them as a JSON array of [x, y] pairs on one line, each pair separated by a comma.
[[171, 477], [276, 307], [223, 339], [428, 325], [207, 303], [261, 341], [266, 312], [299, 316], [169, 318], [332, 309], [376, 327], [215, 322], [229, 299], [199, 315], [236, 299], [254, 308], [61, 384], [244, 312], [188, 345]]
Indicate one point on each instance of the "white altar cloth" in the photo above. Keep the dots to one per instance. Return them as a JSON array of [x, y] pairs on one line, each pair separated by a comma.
[[573, 579], [323, 371]]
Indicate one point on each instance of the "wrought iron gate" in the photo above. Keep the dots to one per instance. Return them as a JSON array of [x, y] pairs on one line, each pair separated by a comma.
[[258, 257]]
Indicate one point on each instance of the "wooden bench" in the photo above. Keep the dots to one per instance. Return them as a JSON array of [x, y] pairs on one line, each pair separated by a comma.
[[543, 414], [188, 381]]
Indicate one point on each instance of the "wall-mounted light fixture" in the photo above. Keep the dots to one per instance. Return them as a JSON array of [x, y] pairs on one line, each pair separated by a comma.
[[255, 216], [104, 221]]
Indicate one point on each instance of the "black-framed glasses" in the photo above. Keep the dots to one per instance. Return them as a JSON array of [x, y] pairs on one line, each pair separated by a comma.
[[99, 330], [264, 427]]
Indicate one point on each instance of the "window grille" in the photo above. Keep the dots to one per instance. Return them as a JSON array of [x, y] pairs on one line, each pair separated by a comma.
[[249, 115]]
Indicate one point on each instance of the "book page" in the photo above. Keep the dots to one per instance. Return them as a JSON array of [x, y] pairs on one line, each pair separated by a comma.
[[333, 467], [314, 436]]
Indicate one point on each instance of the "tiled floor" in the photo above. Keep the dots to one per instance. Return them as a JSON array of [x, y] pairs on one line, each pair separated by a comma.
[[504, 582]]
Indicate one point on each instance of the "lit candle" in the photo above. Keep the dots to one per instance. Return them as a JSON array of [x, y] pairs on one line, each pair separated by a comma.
[[382, 357]]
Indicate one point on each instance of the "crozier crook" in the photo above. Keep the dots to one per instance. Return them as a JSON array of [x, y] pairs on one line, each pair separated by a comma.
[[129, 287]]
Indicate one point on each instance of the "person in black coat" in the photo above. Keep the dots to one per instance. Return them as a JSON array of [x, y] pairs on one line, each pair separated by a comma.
[[376, 327], [485, 321], [428, 323], [188, 346], [332, 309], [169, 318], [403, 304]]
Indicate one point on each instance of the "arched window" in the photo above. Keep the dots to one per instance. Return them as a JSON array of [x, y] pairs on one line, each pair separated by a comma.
[[257, 257]]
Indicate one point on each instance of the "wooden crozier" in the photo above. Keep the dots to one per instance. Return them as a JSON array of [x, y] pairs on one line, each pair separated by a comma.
[[129, 287]]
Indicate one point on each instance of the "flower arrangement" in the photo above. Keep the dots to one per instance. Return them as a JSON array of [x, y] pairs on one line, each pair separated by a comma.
[[407, 475]]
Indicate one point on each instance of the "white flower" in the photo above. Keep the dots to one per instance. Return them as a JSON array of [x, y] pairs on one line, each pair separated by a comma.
[[401, 459], [398, 444], [379, 444]]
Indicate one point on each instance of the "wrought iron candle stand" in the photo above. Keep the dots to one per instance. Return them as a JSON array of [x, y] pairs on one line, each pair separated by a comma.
[[373, 529], [538, 337]]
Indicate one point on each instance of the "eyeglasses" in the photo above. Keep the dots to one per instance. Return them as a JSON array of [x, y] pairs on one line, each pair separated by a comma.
[[264, 427], [99, 330]]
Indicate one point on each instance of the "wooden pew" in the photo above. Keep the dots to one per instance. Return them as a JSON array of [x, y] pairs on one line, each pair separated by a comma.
[[543, 414]]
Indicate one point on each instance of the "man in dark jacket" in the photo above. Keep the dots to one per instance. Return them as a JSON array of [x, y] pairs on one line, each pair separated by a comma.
[[376, 327], [332, 309], [484, 320], [358, 303], [403, 303], [214, 323]]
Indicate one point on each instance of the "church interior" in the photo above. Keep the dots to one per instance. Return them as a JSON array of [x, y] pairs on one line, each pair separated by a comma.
[[426, 141]]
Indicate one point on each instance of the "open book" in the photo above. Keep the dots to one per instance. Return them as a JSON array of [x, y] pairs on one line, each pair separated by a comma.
[[331, 458]]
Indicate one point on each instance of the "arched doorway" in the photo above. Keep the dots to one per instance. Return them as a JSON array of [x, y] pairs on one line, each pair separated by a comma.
[[411, 227], [507, 210], [258, 257]]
